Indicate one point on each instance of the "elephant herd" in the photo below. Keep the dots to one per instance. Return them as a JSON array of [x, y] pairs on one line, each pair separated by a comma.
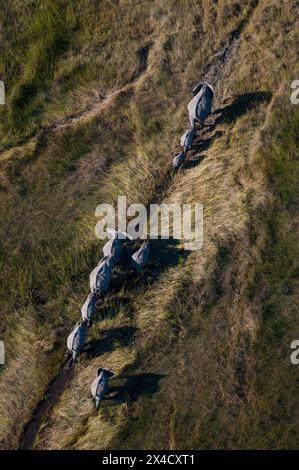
[[199, 108], [99, 280]]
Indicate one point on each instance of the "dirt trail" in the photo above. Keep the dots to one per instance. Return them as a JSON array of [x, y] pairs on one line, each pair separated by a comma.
[[213, 73], [55, 389], [96, 105], [90, 111]]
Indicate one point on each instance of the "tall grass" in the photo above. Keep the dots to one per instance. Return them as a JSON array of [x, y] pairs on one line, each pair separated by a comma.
[[197, 324]]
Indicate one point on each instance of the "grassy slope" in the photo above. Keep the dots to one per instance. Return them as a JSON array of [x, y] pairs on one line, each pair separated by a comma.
[[209, 363]]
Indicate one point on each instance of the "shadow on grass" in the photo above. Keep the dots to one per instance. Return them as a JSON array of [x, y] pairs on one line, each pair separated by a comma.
[[163, 255], [142, 55], [134, 386], [110, 339], [199, 147], [241, 105], [228, 114]]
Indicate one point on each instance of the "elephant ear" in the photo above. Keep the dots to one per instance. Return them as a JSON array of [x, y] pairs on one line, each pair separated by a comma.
[[197, 88], [178, 160], [210, 88], [183, 138], [70, 340]]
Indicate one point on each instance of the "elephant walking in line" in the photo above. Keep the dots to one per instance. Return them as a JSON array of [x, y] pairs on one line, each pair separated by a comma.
[[88, 309], [100, 385], [76, 340], [100, 277]]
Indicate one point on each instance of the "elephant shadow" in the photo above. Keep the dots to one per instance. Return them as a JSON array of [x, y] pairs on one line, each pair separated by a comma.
[[130, 387]]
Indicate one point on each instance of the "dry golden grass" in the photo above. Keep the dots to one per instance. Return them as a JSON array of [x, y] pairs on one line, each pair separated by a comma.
[[196, 319]]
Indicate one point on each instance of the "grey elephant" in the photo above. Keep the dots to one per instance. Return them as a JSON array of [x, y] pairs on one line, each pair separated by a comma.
[[76, 339], [201, 104], [140, 257], [100, 385], [89, 307], [100, 276], [187, 138], [114, 246], [178, 160]]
